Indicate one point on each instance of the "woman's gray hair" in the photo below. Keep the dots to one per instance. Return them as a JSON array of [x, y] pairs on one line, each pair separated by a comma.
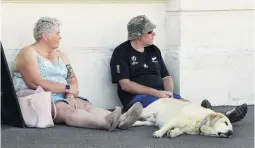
[[45, 25]]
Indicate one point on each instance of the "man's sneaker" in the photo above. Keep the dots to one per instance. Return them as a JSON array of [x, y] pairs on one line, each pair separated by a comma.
[[237, 113], [206, 104]]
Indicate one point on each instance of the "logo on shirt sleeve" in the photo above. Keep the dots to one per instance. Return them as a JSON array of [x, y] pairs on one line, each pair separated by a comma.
[[154, 60], [118, 68]]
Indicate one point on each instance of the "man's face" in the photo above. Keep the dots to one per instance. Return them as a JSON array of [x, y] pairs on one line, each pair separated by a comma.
[[147, 38]]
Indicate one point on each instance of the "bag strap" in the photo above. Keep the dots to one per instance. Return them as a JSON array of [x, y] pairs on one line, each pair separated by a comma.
[[30, 102], [54, 111]]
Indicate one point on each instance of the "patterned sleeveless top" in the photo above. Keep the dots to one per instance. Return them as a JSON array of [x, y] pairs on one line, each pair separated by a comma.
[[49, 71]]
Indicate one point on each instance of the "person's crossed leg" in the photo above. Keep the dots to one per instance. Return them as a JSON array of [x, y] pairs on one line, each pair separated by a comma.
[[126, 119]]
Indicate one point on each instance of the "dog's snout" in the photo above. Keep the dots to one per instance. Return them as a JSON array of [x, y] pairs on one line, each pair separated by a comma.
[[229, 133]]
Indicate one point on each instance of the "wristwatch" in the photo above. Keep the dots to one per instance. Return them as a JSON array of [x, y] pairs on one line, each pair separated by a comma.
[[67, 89]]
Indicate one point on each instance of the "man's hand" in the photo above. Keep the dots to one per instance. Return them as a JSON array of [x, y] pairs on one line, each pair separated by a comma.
[[164, 94], [169, 93], [71, 100]]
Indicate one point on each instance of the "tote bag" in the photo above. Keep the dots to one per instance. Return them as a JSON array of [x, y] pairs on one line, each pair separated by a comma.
[[36, 107]]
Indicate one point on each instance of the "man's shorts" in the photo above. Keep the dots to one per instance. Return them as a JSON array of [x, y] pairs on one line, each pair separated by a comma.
[[146, 100]]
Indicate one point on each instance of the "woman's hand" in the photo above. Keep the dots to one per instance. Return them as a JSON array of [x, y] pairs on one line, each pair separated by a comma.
[[71, 100], [74, 90]]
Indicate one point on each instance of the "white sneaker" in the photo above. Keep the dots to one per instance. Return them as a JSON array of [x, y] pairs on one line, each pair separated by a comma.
[[113, 119], [128, 119]]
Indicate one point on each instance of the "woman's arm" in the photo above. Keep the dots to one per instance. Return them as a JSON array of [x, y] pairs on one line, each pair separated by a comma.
[[27, 65], [71, 78]]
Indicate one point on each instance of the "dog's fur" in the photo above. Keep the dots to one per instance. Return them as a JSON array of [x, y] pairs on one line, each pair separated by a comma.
[[176, 117]]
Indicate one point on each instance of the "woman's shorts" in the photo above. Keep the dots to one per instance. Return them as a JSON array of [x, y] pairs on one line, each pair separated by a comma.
[[62, 97]]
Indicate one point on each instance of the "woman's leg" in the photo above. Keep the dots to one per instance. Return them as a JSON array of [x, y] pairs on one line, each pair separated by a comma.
[[81, 118], [126, 120], [131, 116], [85, 105]]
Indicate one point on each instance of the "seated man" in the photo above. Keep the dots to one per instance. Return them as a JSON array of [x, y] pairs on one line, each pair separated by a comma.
[[139, 69]]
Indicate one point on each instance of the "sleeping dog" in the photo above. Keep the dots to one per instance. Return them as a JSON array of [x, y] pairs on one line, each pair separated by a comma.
[[175, 117]]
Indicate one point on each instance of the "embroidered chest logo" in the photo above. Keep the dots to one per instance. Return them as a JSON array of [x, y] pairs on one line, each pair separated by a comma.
[[133, 59], [154, 60], [118, 68]]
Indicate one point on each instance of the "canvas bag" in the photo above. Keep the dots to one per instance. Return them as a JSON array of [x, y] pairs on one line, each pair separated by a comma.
[[36, 107]]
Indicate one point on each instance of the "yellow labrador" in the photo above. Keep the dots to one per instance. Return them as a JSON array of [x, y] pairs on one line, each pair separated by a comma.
[[176, 117]]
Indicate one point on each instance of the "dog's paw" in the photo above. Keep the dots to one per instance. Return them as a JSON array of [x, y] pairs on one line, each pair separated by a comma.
[[174, 133], [157, 134]]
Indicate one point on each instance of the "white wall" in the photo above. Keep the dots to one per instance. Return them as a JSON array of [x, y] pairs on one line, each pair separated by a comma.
[[207, 45], [213, 48], [89, 33]]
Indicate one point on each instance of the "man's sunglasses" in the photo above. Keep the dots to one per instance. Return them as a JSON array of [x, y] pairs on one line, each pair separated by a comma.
[[150, 32]]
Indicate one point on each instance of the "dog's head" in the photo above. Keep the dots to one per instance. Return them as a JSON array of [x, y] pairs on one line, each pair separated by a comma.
[[218, 125]]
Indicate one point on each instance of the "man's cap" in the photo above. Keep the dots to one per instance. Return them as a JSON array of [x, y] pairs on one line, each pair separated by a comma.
[[139, 25]]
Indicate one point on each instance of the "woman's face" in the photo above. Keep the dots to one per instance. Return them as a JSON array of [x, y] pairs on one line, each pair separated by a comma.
[[53, 39]]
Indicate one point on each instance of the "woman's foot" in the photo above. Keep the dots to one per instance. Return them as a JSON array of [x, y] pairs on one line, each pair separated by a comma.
[[237, 113], [113, 119], [128, 119]]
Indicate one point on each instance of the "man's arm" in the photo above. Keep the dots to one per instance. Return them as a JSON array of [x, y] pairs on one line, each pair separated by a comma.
[[168, 83], [167, 79]]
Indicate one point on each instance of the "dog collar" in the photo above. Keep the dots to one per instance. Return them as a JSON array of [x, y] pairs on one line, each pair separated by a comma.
[[203, 123]]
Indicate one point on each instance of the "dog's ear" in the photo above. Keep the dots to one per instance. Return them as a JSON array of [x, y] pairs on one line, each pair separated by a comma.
[[213, 118]]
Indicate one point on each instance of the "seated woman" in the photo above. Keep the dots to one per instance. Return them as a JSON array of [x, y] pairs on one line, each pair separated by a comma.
[[41, 64]]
